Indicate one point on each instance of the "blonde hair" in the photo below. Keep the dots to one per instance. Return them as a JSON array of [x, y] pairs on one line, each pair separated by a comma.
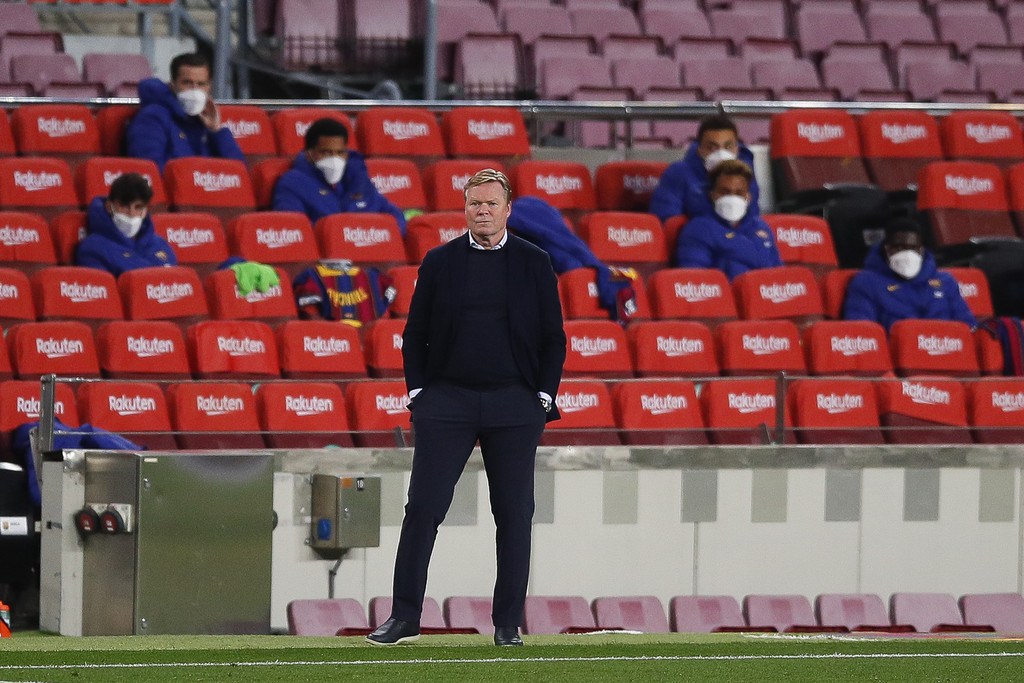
[[488, 175]]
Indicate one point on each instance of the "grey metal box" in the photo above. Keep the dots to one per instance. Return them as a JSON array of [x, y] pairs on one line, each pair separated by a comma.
[[346, 512]]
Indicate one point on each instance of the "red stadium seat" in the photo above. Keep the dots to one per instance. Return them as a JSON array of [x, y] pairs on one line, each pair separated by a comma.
[[218, 186], [400, 132], [398, 180], [627, 185], [290, 126], [38, 185], [974, 289], [781, 611], [324, 617], [833, 291], [172, 293], [429, 230], [251, 129], [76, 293], [834, 411], [804, 241], [16, 304], [376, 409], [67, 230], [742, 411], [403, 279], [897, 144], [367, 239], [303, 415], [789, 292], [20, 403], [112, 122], [7, 146], [578, 289], [964, 200], [995, 410], [705, 614], [63, 348], [557, 614], [214, 415], [276, 305], [596, 348], [128, 408], [922, 410], [566, 185], [586, 416], [990, 136], [382, 347], [847, 347], [142, 349], [197, 239], [813, 147], [641, 613], [486, 133], [759, 347], [658, 412], [283, 239], [94, 176], [232, 349], [671, 348], [320, 349], [65, 131], [264, 176], [937, 347], [25, 242], [699, 294], [6, 371], [633, 240], [443, 181], [1015, 189]]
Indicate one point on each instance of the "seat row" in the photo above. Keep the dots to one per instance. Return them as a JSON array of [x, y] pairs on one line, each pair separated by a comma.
[[549, 614]]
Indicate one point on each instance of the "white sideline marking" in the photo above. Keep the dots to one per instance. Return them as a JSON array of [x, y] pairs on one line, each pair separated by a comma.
[[520, 660]]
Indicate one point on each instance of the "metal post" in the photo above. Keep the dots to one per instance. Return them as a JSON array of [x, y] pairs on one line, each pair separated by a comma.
[[222, 50], [430, 53], [780, 409], [146, 42], [47, 398]]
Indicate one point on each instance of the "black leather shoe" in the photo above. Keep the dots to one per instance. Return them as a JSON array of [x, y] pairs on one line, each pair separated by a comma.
[[395, 631], [505, 636]]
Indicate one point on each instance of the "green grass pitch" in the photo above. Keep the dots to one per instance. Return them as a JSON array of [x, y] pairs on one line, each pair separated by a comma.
[[591, 657]]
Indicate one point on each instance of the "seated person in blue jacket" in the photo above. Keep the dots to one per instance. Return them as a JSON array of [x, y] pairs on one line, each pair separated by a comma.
[[327, 178], [900, 280], [683, 188], [180, 119], [734, 238], [119, 231]]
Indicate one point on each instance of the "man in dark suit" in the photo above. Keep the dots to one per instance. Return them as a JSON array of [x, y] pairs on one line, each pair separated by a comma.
[[483, 351]]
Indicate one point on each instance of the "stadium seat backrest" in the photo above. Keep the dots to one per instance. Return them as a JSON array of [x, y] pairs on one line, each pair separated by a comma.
[[780, 611], [627, 239], [485, 132], [758, 347], [279, 238], [566, 185], [112, 122], [974, 289], [846, 347], [220, 186], [198, 239], [16, 304], [431, 617], [221, 349], [400, 132], [804, 240], [555, 614], [290, 126], [852, 610], [739, 411], [67, 230], [658, 412], [64, 348], [627, 185], [324, 617], [704, 613], [694, 293], [313, 411], [964, 199], [897, 143], [429, 230], [924, 611], [20, 403], [1003, 611], [812, 147], [42, 185], [403, 279], [364, 238], [250, 126], [771, 293], [226, 302], [76, 293], [398, 180], [382, 347], [941, 347], [833, 291], [163, 293], [144, 349], [319, 349], [264, 175], [125, 407], [922, 410], [25, 242], [226, 411], [666, 348], [578, 289], [6, 371], [995, 410], [55, 130], [443, 181], [834, 411], [596, 348], [375, 408], [94, 176], [586, 415], [7, 146], [643, 613], [983, 135]]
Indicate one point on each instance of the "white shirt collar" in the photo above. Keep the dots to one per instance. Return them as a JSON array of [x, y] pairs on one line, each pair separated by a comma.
[[476, 245]]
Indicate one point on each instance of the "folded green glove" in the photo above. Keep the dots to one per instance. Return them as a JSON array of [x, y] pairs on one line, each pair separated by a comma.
[[412, 213], [251, 275]]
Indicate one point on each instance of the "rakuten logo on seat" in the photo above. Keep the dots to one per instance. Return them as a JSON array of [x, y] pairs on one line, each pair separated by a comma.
[[32, 181], [854, 346], [676, 347], [216, 182], [925, 395], [817, 132], [79, 293], [125, 405], [148, 348], [244, 129], [275, 238], [303, 406], [696, 292], [1008, 402], [629, 237], [657, 404], [245, 346], [750, 403], [640, 184], [59, 348], [392, 404], [800, 237], [406, 130], [900, 134], [387, 184], [110, 176], [834, 404], [553, 184], [365, 237], [16, 237], [966, 187], [30, 406], [490, 130], [779, 293], [984, 134], [60, 128], [592, 346], [764, 346], [575, 402], [219, 405], [187, 238], [935, 345], [164, 293], [322, 347]]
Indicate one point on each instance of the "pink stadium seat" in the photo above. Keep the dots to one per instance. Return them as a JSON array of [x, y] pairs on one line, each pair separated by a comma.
[[930, 80], [897, 21], [40, 71], [673, 21], [852, 77], [325, 617], [560, 76], [781, 611], [1003, 611], [819, 23], [778, 75], [641, 613], [752, 18], [599, 22], [710, 74], [643, 73], [966, 24], [308, 31], [115, 71], [468, 612], [489, 66], [927, 612], [431, 618], [705, 614], [557, 614], [854, 611], [529, 21]]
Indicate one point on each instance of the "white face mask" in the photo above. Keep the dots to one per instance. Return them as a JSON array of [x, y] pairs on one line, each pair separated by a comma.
[[717, 157], [731, 208], [332, 168], [128, 226], [192, 101], [906, 263]]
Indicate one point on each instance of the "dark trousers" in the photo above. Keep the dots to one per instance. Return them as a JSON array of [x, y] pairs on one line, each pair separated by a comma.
[[448, 422]]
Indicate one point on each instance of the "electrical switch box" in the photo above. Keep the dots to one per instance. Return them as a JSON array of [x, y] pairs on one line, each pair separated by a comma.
[[346, 512]]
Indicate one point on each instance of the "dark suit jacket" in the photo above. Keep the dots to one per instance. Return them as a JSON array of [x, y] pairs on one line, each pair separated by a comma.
[[534, 313]]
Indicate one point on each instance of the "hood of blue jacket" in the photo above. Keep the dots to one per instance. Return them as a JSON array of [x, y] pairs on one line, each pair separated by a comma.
[[355, 167], [155, 91], [100, 223]]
